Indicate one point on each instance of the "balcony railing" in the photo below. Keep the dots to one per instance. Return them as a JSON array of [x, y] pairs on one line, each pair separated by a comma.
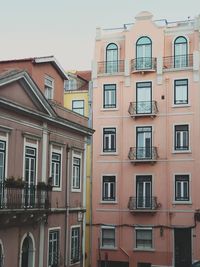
[[143, 64], [27, 197], [178, 62], [110, 67], [143, 154], [143, 204], [143, 108]]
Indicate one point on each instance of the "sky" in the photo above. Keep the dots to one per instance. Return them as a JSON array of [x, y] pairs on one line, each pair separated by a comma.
[[67, 28]]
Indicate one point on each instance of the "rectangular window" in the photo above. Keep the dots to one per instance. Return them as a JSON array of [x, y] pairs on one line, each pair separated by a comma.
[[144, 97], [56, 168], [78, 106], [181, 137], [70, 84], [75, 244], [144, 142], [76, 173], [108, 237], [182, 187], [53, 259], [49, 87], [109, 140], [181, 92], [144, 238], [108, 188], [144, 192], [109, 96], [30, 176], [2, 160]]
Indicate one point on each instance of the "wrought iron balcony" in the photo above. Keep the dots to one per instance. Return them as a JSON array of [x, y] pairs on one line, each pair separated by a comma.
[[110, 67], [178, 62], [143, 204], [143, 154], [143, 108], [143, 64], [24, 197]]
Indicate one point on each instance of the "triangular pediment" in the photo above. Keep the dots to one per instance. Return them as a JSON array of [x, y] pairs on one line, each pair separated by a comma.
[[20, 89]]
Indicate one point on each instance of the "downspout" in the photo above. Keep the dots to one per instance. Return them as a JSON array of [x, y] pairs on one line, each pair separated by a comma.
[[44, 177], [66, 238], [91, 168], [84, 202]]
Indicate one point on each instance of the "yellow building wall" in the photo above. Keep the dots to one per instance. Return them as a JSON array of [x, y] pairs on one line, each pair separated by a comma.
[[69, 96]]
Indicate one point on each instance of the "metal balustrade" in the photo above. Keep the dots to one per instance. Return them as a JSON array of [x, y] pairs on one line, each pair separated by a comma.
[[143, 64], [178, 62], [26, 197], [142, 203], [142, 154], [143, 108], [110, 67]]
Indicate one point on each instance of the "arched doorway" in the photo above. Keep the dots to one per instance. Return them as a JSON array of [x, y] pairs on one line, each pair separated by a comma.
[[27, 252]]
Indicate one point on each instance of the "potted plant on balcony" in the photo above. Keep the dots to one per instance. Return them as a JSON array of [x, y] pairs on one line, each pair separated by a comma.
[[11, 182]]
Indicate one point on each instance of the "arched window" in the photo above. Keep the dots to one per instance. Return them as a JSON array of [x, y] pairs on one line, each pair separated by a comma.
[[180, 52], [111, 58], [144, 53], [27, 251]]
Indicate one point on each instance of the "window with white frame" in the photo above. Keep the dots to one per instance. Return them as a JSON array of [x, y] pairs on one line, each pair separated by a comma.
[[78, 106], [76, 172], [49, 87], [2, 160], [108, 237], [181, 92], [70, 84], [182, 188], [144, 238], [109, 139], [75, 244], [109, 96], [56, 167], [108, 188], [181, 137], [53, 258]]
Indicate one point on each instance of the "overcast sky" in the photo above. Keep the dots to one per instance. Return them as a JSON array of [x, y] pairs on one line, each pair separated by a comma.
[[66, 28]]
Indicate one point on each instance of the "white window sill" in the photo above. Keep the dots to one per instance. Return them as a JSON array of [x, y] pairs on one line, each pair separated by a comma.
[[109, 154], [56, 189], [78, 262], [108, 202], [144, 249], [109, 109], [181, 105], [181, 151], [184, 202], [76, 190]]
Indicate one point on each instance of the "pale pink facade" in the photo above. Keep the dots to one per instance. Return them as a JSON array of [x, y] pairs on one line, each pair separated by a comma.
[[146, 160]]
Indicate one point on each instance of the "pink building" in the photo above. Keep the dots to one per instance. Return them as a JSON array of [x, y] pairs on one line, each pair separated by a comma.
[[42, 168], [146, 159]]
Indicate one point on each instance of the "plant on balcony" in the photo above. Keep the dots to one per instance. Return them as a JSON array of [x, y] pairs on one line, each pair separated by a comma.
[[11, 182], [43, 186]]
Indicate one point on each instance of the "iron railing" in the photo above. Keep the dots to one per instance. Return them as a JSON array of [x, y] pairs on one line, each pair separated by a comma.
[[143, 108], [143, 64], [142, 203], [178, 62], [143, 154], [26, 197], [110, 67]]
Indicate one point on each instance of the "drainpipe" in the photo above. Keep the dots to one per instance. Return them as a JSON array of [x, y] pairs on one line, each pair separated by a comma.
[[44, 176], [66, 233], [84, 201], [91, 168]]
